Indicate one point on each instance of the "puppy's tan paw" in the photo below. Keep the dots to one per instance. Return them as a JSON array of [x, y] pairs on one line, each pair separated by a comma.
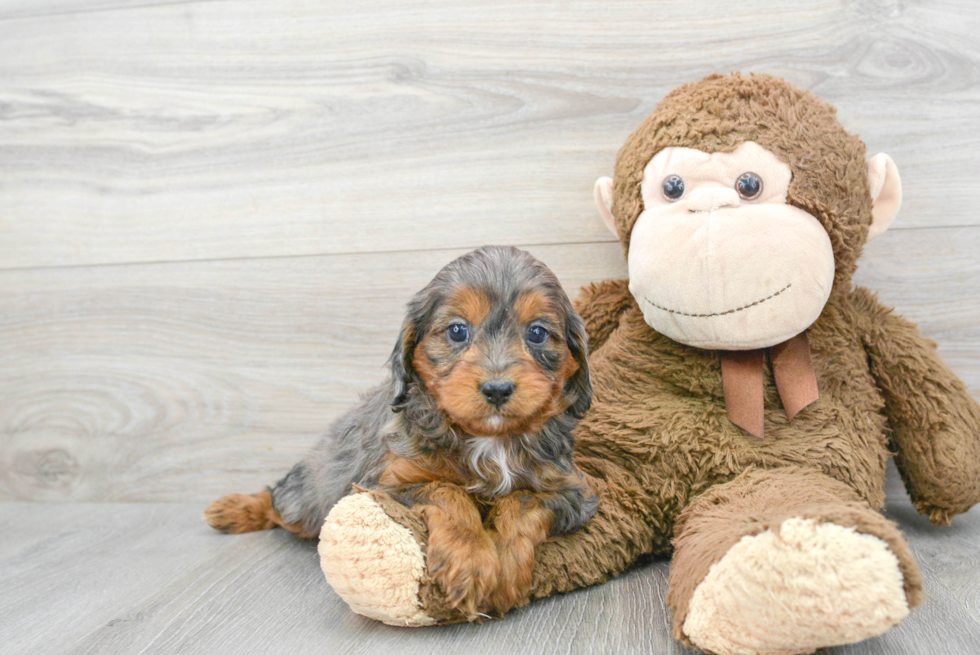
[[514, 582], [238, 513], [505, 597], [466, 568]]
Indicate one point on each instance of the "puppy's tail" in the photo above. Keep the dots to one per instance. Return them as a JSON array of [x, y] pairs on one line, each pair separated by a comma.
[[238, 513]]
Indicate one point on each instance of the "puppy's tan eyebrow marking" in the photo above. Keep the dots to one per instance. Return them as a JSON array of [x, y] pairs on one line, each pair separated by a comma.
[[470, 303], [531, 305]]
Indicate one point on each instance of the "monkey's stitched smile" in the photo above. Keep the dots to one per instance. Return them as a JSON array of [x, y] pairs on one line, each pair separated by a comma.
[[730, 311]]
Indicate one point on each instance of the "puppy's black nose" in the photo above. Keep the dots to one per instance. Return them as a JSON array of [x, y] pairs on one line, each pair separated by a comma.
[[497, 391]]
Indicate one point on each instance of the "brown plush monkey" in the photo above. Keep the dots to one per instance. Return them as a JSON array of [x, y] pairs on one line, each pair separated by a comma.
[[747, 397]]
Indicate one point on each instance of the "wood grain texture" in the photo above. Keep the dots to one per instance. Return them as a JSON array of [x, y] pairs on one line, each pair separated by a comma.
[[168, 382], [212, 214], [153, 578], [182, 381], [247, 128], [16, 9]]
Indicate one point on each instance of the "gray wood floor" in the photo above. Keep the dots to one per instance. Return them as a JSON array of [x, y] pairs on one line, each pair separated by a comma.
[[153, 578], [211, 216]]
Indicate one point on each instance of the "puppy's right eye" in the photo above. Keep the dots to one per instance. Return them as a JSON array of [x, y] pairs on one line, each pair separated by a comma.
[[458, 333], [537, 335]]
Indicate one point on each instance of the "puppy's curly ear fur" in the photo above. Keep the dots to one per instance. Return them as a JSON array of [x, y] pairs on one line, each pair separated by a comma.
[[578, 389], [416, 325], [400, 361]]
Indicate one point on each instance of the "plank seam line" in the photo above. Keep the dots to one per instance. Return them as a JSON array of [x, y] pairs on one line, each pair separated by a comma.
[[100, 10], [165, 262], [154, 262]]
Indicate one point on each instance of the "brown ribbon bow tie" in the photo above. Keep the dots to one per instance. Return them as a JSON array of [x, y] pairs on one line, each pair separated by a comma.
[[742, 378]]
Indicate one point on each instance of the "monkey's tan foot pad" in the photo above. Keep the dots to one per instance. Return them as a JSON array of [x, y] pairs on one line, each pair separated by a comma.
[[796, 588], [375, 564]]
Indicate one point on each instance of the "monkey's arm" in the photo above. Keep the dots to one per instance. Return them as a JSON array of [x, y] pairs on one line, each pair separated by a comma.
[[600, 305], [613, 539], [935, 422]]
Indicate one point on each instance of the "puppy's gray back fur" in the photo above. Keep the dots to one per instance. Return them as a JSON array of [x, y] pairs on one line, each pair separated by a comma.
[[350, 452]]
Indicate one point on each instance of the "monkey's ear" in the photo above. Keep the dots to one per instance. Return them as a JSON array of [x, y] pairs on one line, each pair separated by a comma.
[[603, 194], [578, 388], [886, 193]]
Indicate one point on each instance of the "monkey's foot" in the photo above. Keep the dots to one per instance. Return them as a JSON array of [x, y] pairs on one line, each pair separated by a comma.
[[796, 587], [375, 564], [372, 552]]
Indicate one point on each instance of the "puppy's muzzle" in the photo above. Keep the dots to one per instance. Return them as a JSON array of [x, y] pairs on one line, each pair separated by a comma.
[[497, 392]]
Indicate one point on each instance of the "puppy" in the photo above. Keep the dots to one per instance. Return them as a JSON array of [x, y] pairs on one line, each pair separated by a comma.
[[473, 430]]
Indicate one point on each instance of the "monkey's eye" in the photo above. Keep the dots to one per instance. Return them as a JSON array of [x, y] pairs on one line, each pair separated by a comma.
[[458, 333], [537, 335], [748, 185], [673, 187]]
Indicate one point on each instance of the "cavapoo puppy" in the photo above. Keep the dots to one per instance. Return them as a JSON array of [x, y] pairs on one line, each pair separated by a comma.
[[473, 430]]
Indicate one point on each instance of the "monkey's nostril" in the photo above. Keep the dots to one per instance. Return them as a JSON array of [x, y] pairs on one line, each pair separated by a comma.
[[497, 392]]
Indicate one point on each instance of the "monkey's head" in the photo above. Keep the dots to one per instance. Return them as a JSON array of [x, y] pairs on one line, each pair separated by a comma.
[[743, 205]]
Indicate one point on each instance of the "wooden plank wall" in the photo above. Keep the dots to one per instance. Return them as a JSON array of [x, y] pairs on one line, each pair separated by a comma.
[[212, 213]]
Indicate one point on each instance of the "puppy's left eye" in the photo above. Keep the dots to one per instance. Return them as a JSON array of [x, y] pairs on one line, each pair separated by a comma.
[[537, 335], [458, 333]]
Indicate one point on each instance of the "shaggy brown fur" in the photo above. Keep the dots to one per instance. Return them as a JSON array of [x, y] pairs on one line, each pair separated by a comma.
[[720, 113], [657, 444], [759, 500]]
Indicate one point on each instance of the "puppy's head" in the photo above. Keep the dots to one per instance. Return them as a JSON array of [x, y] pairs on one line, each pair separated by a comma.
[[494, 340]]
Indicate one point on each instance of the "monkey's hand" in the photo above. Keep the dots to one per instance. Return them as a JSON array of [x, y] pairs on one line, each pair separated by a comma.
[[935, 422]]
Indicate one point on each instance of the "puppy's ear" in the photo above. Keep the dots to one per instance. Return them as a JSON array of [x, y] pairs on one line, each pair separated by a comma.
[[401, 365], [416, 325], [578, 388]]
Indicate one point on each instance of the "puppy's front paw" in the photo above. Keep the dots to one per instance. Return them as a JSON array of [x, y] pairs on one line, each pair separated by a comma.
[[513, 584], [466, 567]]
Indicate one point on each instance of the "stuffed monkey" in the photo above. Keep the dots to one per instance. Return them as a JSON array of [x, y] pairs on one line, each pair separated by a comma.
[[747, 396]]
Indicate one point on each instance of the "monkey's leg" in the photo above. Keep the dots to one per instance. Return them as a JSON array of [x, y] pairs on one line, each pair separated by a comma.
[[786, 561], [621, 530], [410, 566], [373, 552]]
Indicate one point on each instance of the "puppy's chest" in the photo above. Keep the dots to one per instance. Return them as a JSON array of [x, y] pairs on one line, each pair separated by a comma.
[[485, 467], [493, 467]]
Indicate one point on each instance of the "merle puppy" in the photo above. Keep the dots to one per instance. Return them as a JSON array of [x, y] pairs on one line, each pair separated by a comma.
[[473, 430]]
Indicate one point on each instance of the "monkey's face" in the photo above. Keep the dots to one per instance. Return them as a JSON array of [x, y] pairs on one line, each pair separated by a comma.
[[717, 259]]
